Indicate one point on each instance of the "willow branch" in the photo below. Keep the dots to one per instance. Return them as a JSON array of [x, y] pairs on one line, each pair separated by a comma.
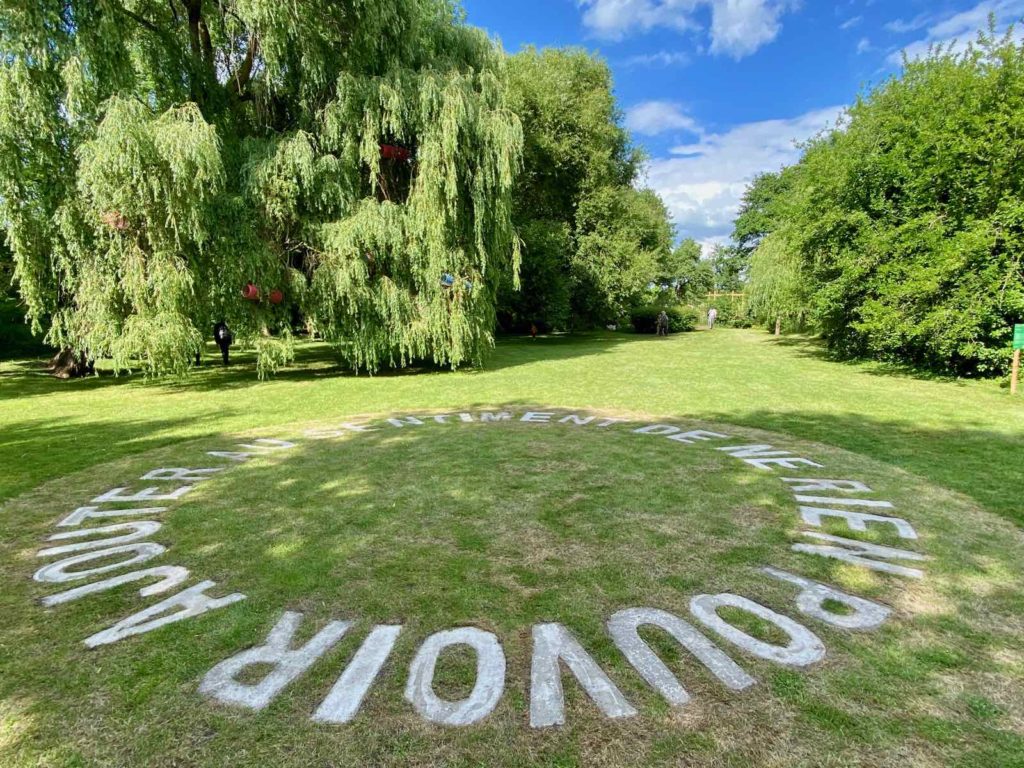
[[240, 78]]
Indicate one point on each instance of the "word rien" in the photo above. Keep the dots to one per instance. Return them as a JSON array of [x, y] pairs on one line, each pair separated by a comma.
[[553, 644]]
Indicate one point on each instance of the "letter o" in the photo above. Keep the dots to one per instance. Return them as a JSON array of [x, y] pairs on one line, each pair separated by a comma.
[[490, 677], [56, 573], [804, 647]]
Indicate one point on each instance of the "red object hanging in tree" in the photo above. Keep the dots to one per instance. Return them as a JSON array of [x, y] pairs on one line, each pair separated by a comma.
[[276, 297], [394, 152], [251, 292]]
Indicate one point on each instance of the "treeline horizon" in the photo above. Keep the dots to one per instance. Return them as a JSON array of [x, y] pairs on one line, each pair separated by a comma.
[[386, 177], [899, 235]]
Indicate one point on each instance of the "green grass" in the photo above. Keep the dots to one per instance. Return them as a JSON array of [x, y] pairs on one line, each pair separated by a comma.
[[505, 525], [964, 435]]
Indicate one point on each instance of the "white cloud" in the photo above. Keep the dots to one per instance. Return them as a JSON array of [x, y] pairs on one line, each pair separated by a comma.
[[850, 23], [655, 117], [738, 27], [703, 183], [864, 45], [956, 31], [614, 19], [899, 26], [659, 59]]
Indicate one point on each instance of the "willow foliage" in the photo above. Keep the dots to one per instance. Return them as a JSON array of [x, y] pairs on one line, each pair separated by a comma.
[[776, 284], [354, 160]]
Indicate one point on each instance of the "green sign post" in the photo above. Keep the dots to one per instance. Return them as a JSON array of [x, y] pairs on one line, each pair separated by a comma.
[[1018, 345]]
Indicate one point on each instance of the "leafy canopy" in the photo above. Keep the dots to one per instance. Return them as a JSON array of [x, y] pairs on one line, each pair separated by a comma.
[[592, 242], [155, 157], [908, 220]]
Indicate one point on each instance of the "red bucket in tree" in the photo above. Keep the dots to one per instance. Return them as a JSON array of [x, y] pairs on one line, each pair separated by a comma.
[[251, 292], [394, 152], [276, 297]]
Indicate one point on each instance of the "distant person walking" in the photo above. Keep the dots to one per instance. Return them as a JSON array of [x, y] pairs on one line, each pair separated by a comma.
[[712, 318], [662, 324], [224, 338]]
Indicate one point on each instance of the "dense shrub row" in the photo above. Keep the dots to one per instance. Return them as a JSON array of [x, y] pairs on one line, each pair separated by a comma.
[[900, 235]]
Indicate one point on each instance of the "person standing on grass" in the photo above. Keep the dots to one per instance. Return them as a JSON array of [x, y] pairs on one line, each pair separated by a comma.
[[662, 324], [224, 338], [712, 318]]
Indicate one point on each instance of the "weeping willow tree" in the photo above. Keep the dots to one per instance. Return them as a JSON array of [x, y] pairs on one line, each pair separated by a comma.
[[777, 286], [349, 164]]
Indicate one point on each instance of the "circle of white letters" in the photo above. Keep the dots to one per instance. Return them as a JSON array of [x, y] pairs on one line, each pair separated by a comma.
[[124, 512]]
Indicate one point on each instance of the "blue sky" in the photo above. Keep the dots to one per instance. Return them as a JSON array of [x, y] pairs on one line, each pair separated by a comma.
[[719, 90]]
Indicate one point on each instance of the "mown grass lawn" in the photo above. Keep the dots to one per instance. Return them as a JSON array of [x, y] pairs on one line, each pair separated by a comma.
[[966, 436], [502, 526]]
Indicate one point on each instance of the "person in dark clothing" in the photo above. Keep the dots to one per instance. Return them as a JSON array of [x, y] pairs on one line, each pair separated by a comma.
[[663, 324], [222, 335]]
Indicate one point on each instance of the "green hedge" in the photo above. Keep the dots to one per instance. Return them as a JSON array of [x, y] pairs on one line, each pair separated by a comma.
[[680, 319]]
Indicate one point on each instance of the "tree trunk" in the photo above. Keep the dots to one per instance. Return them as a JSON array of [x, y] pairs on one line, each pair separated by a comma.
[[778, 326], [68, 364]]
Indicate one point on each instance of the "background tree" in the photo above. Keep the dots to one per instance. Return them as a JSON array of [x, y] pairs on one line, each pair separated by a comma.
[[624, 235], [909, 217], [591, 242], [777, 288], [762, 209], [684, 271], [729, 267], [157, 156]]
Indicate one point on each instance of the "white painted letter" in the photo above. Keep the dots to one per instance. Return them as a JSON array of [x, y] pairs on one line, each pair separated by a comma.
[[503, 416], [288, 664], [553, 643], [347, 695], [183, 474], [762, 456], [57, 573], [813, 484], [82, 513], [689, 438], [139, 530], [490, 677], [170, 576], [408, 421], [857, 521], [804, 647], [865, 614], [147, 494], [537, 418], [858, 552], [845, 502], [623, 627], [191, 602], [577, 420], [657, 429]]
